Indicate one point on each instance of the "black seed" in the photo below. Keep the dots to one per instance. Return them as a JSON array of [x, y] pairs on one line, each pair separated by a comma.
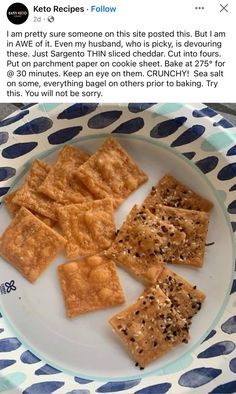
[[141, 368], [155, 343], [137, 254], [194, 287], [143, 321], [210, 243], [137, 312], [140, 351], [132, 339], [121, 240]]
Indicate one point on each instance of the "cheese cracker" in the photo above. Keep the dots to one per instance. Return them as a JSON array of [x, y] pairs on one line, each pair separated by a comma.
[[110, 172], [29, 244], [89, 228], [61, 184], [150, 327], [169, 191], [90, 284]]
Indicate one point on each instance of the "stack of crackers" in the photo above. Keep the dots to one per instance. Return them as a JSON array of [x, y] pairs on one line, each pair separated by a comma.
[[70, 205]]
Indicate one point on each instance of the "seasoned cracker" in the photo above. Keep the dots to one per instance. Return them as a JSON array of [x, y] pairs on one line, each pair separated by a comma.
[[169, 191], [90, 284], [150, 327], [195, 226], [29, 197], [144, 242], [89, 228], [61, 184], [29, 244], [110, 172], [14, 208], [185, 297]]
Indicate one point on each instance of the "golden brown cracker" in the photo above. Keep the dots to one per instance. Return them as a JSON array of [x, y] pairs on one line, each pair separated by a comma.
[[61, 184], [110, 172], [14, 208], [185, 297], [195, 226], [143, 243], [29, 244], [150, 327], [89, 228], [90, 284], [11, 206], [29, 197], [169, 191]]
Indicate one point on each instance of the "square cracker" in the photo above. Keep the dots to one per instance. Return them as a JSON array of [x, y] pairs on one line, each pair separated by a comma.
[[90, 284], [195, 226], [61, 184], [185, 297], [110, 172], [169, 191], [143, 243], [29, 244], [29, 197], [14, 208], [89, 228], [150, 327]]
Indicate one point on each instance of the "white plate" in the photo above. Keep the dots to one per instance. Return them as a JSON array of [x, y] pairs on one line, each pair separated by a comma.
[[85, 347]]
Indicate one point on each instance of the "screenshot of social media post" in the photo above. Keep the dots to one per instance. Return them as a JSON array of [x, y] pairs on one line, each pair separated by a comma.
[[117, 197]]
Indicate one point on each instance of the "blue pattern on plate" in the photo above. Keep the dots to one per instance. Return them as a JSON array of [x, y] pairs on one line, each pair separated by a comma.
[[229, 326], [198, 377], [155, 389], [3, 137], [43, 388], [231, 151], [112, 387], [227, 172], [208, 164], [64, 135], [81, 380], [4, 190], [35, 126], [27, 106], [208, 112], [168, 127], [139, 107], [233, 288], [13, 119], [6, 173], [104, 119], [232, 365], [9, 344], [29, 358], [6, 363], [189, 155], [19, 149], [232, 188], [47, 370], [218, 349], [210, 335], [189, 135], [232, 207], [129, 127], [77, 110], [1, 330], [226, 388], [223, 123]]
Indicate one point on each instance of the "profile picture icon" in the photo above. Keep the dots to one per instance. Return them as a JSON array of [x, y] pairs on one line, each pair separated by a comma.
[[17, 13]]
